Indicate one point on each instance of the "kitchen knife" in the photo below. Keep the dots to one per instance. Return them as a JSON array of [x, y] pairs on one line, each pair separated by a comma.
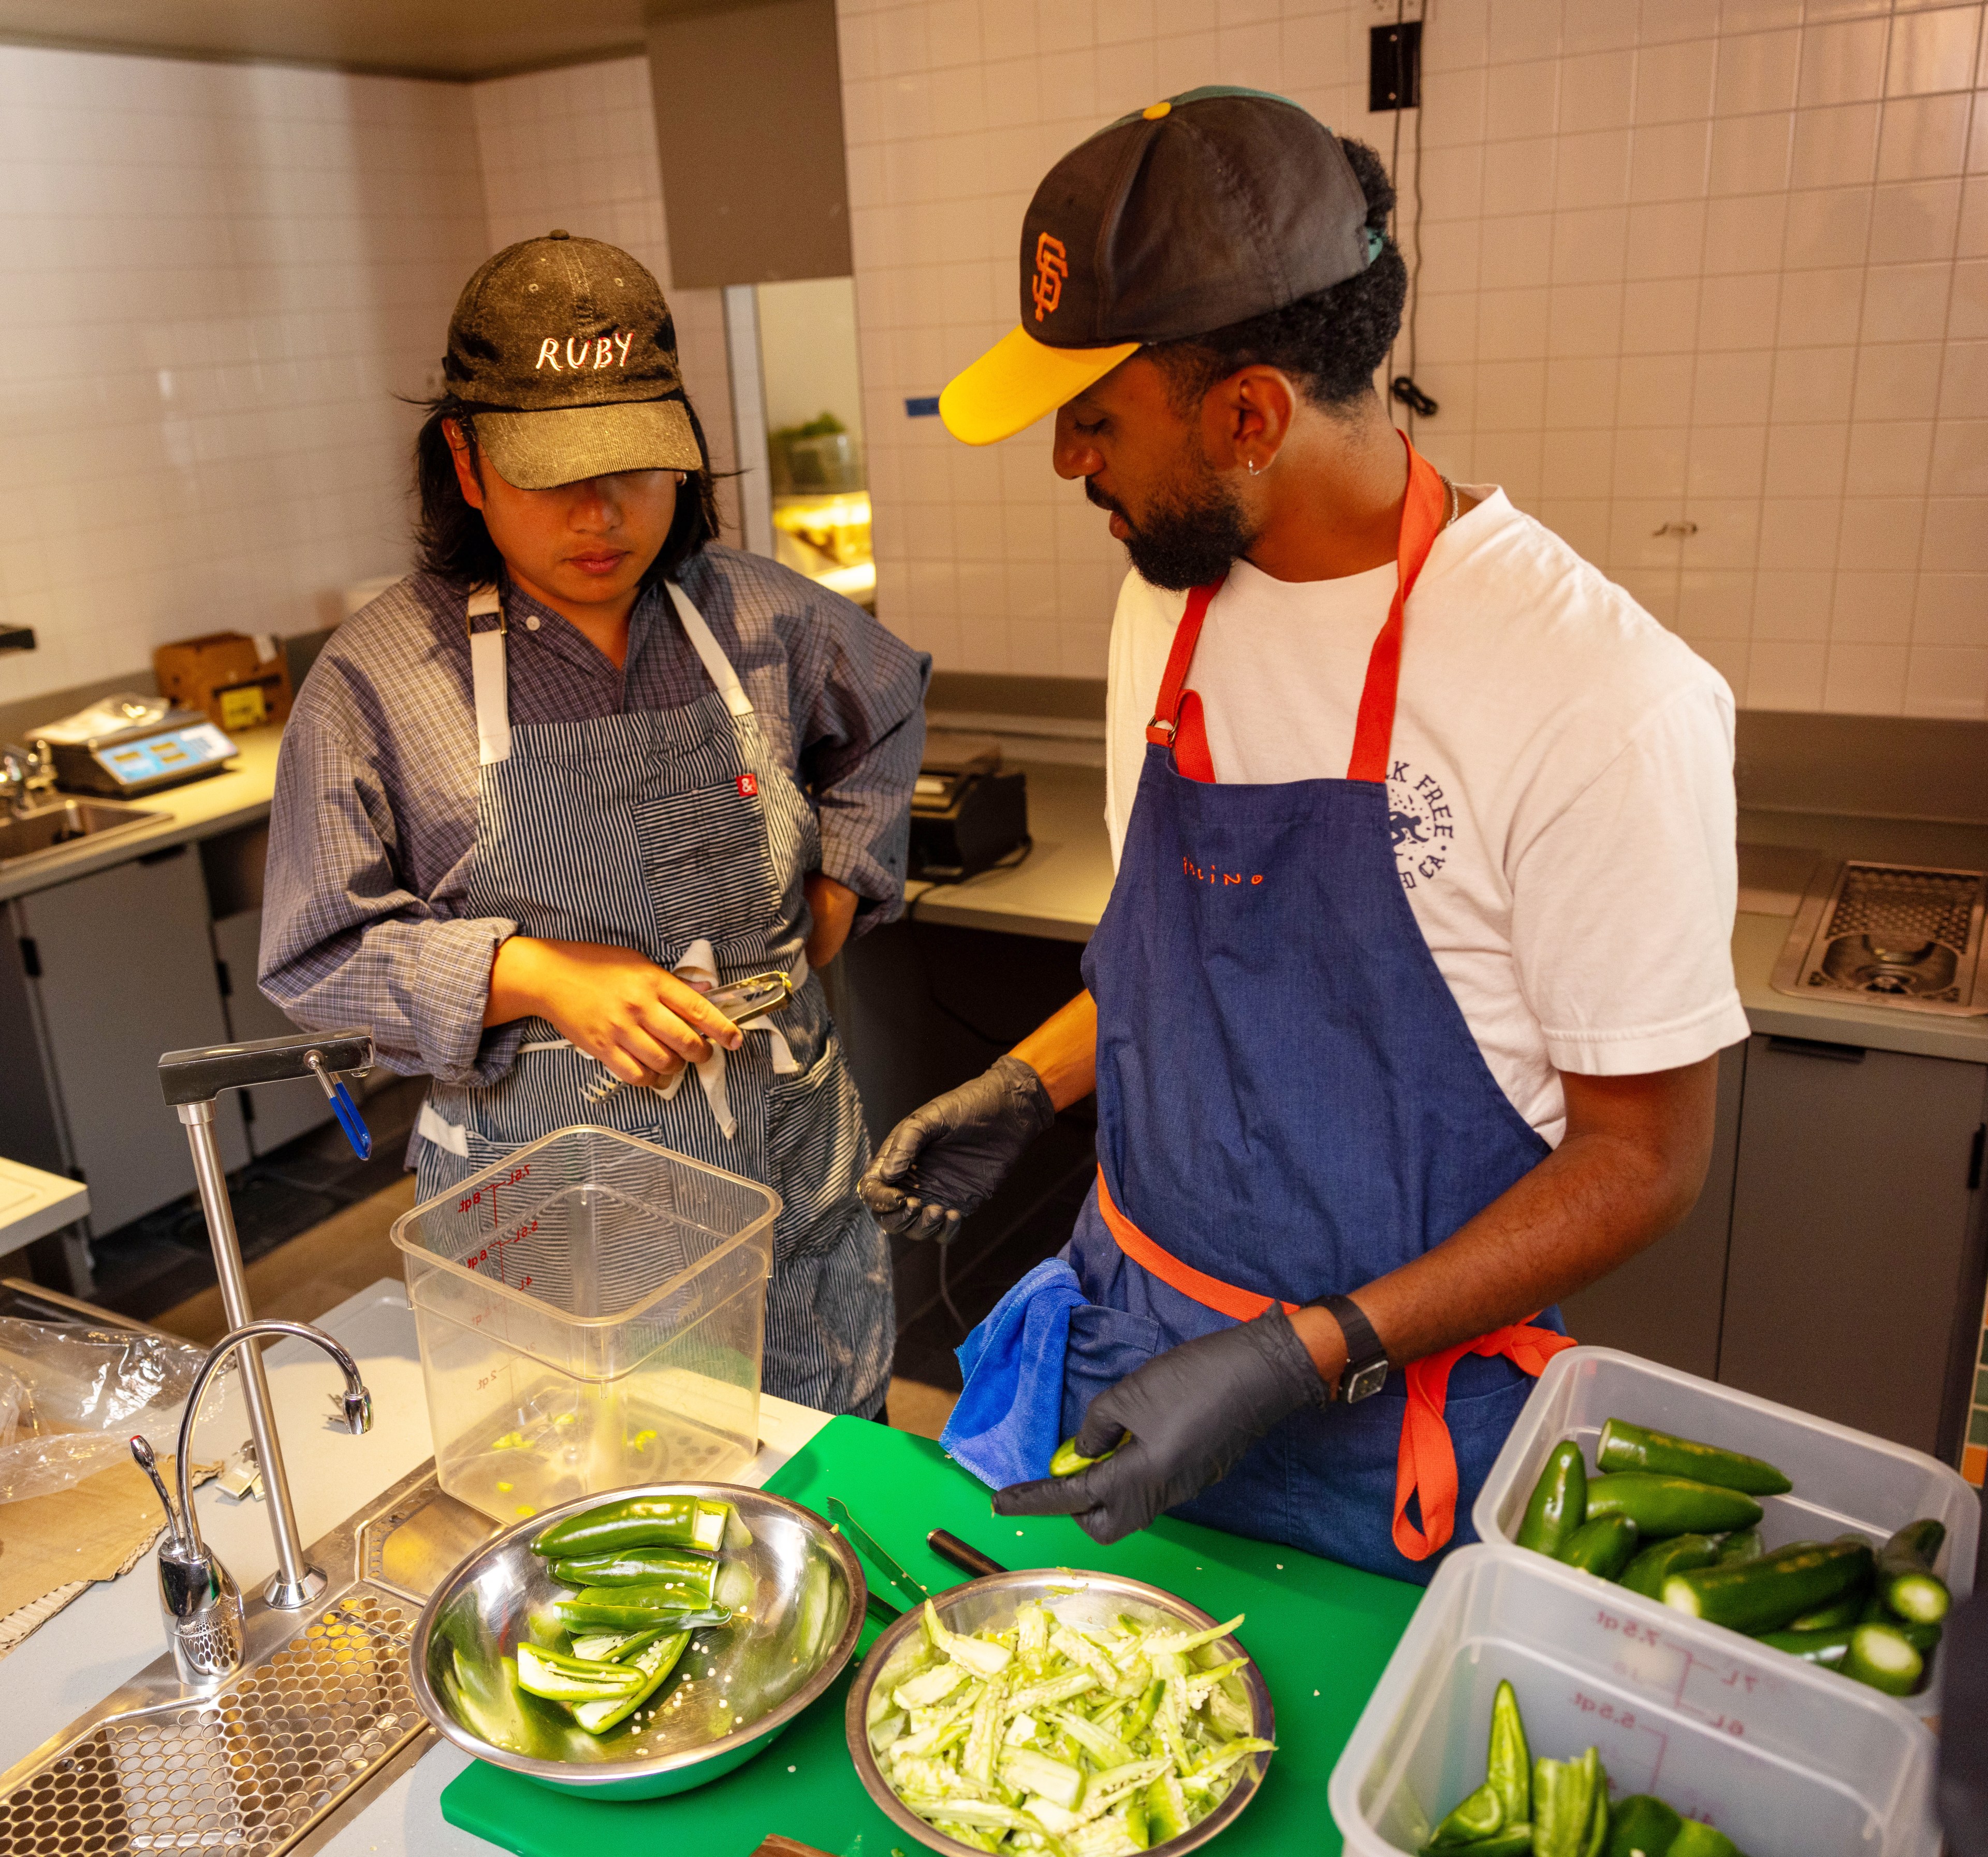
[[838, 1512], [966, 1558]]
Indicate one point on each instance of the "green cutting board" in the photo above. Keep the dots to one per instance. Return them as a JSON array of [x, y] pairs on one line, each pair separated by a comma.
[[1321, 1634]]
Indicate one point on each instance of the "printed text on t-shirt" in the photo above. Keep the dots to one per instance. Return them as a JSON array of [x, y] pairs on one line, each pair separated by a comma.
[[1420, 823]]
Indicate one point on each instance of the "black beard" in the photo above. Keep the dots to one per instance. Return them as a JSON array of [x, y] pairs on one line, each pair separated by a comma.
[[1193, 538]]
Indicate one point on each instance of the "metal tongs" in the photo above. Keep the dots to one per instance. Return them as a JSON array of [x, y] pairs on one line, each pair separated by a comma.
[[739, 1001]]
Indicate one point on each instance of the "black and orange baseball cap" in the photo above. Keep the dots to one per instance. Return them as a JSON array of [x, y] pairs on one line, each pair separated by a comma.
[[1198, 211]]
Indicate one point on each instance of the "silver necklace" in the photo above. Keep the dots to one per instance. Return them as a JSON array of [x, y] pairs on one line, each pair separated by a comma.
[[1452, 489]]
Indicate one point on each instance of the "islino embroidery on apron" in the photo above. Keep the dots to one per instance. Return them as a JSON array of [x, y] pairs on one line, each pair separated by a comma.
[[677, 833], [1290, 1103]]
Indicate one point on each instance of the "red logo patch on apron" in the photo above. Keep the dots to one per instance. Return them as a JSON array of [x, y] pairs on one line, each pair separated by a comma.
[[748, 788]]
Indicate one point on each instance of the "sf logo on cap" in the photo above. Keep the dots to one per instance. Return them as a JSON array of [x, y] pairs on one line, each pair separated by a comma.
[[1051, 267]]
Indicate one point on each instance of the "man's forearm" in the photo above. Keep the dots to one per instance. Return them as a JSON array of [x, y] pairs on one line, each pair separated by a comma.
[[1063, 1051], [1629, 1167]]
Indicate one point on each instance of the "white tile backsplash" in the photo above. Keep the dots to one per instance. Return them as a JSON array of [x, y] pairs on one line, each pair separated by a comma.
[[1721, 263], [224, 278]]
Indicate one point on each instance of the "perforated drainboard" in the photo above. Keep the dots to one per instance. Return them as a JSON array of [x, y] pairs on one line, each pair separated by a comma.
[[264, 1765], [1898, 935]]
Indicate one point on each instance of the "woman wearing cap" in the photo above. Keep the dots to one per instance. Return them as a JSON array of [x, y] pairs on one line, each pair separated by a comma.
[[1402, 1015], [584, 765]]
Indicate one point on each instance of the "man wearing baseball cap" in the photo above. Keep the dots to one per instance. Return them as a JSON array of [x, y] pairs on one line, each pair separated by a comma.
[[1402, 1016], [584, 767]]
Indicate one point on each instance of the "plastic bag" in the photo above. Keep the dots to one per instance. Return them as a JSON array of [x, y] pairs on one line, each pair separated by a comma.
[[72, 1398]]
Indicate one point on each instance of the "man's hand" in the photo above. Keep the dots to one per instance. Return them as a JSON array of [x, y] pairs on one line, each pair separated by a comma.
[[1185, 1417], [939, 1164], [832, 906], [639, 1019]]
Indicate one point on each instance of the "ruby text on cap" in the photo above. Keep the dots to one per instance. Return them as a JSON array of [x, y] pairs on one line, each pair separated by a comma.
[[601, 351]]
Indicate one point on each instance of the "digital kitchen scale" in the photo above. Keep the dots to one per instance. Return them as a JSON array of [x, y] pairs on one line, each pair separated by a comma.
[[129, 747]]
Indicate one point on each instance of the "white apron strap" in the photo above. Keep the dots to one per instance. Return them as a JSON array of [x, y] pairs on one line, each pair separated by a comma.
[[431, 1126], [487, 679], [717, 666]]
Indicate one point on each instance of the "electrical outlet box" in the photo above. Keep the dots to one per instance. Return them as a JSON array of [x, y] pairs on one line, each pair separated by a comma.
[[1394, 67]]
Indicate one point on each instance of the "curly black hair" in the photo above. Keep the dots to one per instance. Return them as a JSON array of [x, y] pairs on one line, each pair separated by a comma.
[[451, 539], [1331, 342]]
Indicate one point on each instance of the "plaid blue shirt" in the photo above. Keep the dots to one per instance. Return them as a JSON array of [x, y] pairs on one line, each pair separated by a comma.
[[374, 818]]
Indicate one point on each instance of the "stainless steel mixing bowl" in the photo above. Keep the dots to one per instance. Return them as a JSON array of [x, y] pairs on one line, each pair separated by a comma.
[[741, 1683], [1083, 1599]]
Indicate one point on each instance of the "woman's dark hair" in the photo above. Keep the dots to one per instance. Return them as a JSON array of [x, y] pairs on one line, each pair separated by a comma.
[[1331, 342], [451, 540]]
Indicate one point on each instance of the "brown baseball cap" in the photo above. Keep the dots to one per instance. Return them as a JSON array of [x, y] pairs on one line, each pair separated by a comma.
[[1200, 210], [565, 353]]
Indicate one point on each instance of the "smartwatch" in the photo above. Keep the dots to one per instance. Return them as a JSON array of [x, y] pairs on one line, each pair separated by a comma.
[[1366, 1359]]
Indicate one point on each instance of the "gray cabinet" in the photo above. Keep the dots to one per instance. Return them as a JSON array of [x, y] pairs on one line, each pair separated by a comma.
[[119, 967], [1666, 1304], [1855, 1226], [276, 1113]]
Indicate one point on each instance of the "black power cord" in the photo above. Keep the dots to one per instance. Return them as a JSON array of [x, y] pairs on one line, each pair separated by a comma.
[[1402, 387]]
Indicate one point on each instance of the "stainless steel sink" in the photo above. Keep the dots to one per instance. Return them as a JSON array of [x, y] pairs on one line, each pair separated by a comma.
[[50, 828], [271, 1761], [1901, 935]]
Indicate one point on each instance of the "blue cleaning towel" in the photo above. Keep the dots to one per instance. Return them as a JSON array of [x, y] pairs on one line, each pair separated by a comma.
[[1009, 1421]]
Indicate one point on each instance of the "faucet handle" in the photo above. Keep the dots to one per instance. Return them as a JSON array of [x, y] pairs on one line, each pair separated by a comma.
[[199, 1075]]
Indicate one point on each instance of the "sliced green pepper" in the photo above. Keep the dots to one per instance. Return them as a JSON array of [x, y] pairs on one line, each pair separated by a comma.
[[1597, 1823], [1762, 1595], [1905, 1580], [1602, 1547], [1642, 1826], [1846, 1609], [637, 1521], [641, 1567], [655, 1661], [1695, 1839], [1067, 1460], [634, 1609], [1882, 1656], [1741, 1544], [1829, 1647], [1513, 1841], [560, 1678], [1480, 1816], [1564, 1804], [1661, 1506], [1656, 1563], [1558, 1505], [1624, 1446], [1509, 1764]]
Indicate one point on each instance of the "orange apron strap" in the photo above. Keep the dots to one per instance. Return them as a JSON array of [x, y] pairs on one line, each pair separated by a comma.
[[1210, 1292], [1177, 722], [1421, 522], [1426, 1466]]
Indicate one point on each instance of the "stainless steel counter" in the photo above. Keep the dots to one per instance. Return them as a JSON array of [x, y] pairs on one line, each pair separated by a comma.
[[1061, 889]]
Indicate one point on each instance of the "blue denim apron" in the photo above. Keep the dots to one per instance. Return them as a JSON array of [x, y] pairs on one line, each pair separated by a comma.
[[657, 830], [1289, 1100]]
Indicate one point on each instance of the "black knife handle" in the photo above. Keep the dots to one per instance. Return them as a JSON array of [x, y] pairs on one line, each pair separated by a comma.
[[967, 1559]]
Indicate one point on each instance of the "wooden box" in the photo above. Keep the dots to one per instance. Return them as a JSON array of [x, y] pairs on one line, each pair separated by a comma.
[[224, 675]]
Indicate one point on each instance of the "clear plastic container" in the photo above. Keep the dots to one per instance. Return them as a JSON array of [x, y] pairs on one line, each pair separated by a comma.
[[591, 1312], [1781, 1758], [1844, 1480]]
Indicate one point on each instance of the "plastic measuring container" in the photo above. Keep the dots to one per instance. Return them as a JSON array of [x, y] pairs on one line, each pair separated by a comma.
[[591, 1312], [1780, 1756], [1844, 1481]]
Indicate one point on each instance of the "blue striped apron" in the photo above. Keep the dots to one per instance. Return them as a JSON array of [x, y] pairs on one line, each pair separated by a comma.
[[657, 830]]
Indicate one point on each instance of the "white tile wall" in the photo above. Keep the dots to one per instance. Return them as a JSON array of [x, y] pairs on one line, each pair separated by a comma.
[[1719, 261], [217, 279], [222, 276], [577, 148]]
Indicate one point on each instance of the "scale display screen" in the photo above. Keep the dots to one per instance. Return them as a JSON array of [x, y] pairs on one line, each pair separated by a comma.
[[181, 751]]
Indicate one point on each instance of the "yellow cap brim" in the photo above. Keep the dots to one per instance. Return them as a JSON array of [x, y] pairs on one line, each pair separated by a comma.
[[1017, 381]]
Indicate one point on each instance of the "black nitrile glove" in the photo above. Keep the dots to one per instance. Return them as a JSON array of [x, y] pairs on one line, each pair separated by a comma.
[[940, 1164], [1191, 1413]]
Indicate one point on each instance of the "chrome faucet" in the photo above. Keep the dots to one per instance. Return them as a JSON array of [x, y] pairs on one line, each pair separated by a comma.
[[198, 1599], [26, 774]]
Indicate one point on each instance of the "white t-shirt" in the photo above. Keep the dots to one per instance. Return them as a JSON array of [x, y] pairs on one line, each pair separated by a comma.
[[1560, 784]]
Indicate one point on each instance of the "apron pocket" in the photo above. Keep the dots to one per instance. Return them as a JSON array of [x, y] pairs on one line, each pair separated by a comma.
[[816, 1149], [707, 861], [1105, 1344]]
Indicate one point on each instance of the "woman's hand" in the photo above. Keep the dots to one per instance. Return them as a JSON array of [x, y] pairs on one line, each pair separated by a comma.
[[832, 905], [639, 1019]]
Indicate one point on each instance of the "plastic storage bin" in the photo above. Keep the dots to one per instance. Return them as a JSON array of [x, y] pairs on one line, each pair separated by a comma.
[[1844, 1480], [591, 1312], [1784, 1759]]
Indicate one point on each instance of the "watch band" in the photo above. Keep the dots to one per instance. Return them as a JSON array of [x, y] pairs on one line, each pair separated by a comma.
[[1366, 1370]]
